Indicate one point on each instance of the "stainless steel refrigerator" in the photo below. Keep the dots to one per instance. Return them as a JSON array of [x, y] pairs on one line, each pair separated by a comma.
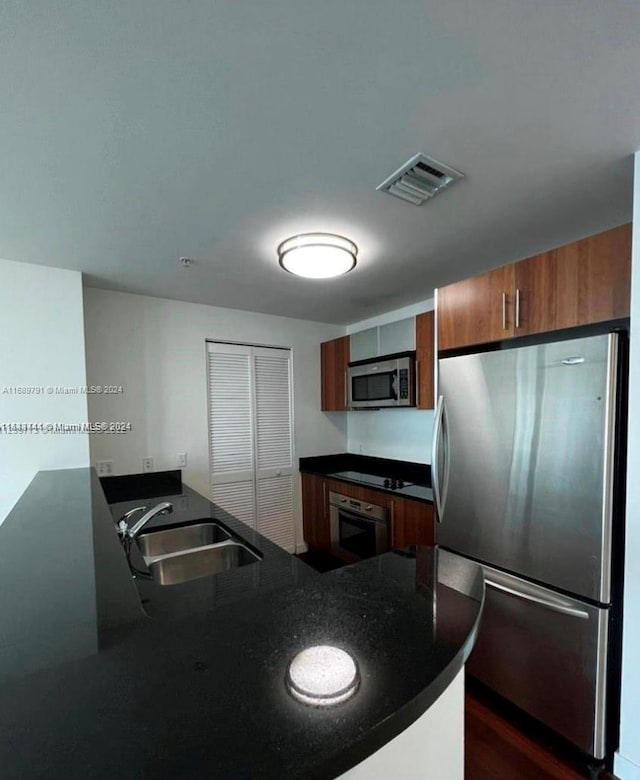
[[523, 477]]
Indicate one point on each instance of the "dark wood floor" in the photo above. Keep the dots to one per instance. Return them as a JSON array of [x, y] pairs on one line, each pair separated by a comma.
[[498, 749]]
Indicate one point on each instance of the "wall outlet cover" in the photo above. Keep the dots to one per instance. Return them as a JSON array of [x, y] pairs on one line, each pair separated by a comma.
[[181, 459], [104, 468], [147, 464]]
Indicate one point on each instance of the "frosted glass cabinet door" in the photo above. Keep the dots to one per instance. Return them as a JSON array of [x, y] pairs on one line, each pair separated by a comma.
[[397, 336], [364, 344]]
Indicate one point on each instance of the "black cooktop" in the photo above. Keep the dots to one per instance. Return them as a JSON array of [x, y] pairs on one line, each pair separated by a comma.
[[372, 479]]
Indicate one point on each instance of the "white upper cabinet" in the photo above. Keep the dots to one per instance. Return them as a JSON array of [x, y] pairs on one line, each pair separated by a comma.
[[364, 344], [399, 336]]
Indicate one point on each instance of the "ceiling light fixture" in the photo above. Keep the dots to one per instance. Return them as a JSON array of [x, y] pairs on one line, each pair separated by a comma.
[[322, 676], [317, 255]]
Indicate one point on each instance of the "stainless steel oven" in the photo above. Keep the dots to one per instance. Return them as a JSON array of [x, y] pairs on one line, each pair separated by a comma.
[[358, 529]]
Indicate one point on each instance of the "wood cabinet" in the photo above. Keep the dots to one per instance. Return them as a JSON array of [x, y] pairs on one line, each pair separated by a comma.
[[476, 310], [578, 284], [410, 522], [334, 359], [315, 512], [424, 360], [581, 283]]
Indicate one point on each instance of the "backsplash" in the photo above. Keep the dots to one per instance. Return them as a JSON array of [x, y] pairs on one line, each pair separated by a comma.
[[401, 434]]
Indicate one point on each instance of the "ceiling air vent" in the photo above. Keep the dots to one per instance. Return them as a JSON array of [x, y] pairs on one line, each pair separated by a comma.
[[419, 179]]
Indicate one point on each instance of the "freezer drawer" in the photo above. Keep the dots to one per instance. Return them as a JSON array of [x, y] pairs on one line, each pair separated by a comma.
[[547, 654]]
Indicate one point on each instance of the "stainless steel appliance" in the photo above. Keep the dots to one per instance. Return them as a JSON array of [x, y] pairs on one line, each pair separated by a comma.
[[523, 483], [358, 529], [381, 382]]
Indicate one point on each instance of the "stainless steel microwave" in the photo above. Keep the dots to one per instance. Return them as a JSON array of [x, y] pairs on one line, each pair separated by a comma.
[[387, 381]]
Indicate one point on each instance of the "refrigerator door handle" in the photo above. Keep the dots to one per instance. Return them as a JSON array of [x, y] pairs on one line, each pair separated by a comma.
[[435, 454], [552, 604]]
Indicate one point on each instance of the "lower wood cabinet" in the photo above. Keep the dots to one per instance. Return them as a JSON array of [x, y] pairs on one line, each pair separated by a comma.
[[315, 513], [410, 522]]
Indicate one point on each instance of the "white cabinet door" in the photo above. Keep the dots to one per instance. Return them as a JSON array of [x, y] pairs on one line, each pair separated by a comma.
[[398, 336], [364, 344]]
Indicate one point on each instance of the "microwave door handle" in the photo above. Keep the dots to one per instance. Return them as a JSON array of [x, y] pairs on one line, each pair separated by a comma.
[[394, 384]]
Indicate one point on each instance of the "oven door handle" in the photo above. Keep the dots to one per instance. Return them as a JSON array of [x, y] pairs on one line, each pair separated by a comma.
[[358, 516]]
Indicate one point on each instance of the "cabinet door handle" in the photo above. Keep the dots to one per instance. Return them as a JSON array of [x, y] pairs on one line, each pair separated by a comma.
[[324, 499], [517, 308], [504, 311], [393, 524], [417, 383], [346, 389]]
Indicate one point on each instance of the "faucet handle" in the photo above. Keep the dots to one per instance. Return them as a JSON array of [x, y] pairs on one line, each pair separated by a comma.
[[123, 525]]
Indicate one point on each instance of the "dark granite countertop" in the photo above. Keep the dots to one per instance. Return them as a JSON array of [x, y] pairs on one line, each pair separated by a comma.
[[362, 468], [92, 686]]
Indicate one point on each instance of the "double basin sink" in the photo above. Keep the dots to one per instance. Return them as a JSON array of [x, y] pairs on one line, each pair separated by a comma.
[[188, 552]]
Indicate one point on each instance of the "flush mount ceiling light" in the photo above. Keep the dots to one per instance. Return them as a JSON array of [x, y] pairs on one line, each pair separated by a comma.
[[317, 255], [322, 676]]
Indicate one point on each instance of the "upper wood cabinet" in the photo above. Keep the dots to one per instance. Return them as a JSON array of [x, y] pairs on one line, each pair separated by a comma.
[[580, 283], [424, 360], [334, 359], [476, 310], [414, 332], [584, 282]]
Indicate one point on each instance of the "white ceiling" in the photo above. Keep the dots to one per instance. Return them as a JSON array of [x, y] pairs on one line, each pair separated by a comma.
[[136, 132]]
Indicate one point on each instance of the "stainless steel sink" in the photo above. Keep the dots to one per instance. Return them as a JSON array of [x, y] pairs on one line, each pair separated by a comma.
[[204, 562], [187, 537]]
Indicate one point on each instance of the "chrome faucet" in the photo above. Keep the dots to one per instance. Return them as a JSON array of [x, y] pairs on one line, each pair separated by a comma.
[[166, 507]]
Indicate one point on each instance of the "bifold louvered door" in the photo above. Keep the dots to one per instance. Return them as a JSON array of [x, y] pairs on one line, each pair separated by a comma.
[[250, 435]]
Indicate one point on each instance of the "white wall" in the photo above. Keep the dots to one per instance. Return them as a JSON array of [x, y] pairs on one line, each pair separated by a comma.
[[401, 434], [627, 764], [155, 349], [41, 345]]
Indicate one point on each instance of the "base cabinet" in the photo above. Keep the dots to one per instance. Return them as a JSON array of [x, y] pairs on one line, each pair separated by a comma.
[[410, 522], [315, 513]]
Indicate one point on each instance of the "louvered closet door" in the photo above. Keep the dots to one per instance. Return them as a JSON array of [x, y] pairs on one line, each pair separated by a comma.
[[231, 426], [273, 441]]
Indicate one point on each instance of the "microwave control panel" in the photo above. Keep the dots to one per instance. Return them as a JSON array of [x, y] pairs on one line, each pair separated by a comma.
[[403, 383]]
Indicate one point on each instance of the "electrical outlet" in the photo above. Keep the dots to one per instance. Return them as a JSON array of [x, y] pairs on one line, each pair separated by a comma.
[[147, 464], [181, 459], [104, 468]]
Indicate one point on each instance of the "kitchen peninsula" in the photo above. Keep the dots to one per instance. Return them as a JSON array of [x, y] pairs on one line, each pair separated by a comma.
[[104, 676]]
